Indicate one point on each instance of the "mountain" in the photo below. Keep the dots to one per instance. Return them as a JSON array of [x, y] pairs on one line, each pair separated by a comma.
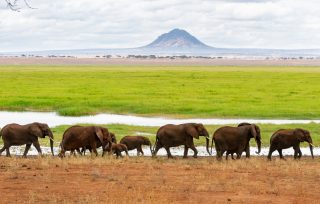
[[179, 42], [177, 39]]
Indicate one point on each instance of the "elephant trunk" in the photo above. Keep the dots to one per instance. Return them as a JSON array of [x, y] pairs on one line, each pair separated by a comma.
[[311, 149], [259, 146], [51, 142]]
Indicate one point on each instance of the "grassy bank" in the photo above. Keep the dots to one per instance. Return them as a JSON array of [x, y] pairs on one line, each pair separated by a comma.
[[252, 92]]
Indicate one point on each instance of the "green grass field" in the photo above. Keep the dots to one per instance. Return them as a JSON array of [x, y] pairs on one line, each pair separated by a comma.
[[246, 92]]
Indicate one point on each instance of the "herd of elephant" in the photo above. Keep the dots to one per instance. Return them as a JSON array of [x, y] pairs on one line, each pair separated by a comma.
[[227, 139]]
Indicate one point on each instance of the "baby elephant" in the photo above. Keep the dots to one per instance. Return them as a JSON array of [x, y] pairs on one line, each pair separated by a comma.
[[136, 142], [285, 138], [117, 149]]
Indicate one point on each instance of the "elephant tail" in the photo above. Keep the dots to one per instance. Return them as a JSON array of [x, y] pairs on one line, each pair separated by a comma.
[[155, 144]]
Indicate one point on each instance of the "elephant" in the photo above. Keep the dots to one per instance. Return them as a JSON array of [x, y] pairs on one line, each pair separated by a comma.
[[247, 150], [83, 150], [117, 149], [135, 142], [77, 136], [286, 138], [175, 135], [15, 134], [235, 139]]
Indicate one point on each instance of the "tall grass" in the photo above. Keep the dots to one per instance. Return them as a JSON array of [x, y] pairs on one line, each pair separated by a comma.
[[258, 92]]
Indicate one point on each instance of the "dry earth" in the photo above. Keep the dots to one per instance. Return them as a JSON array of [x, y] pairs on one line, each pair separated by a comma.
[[159, 62], [158, 180]]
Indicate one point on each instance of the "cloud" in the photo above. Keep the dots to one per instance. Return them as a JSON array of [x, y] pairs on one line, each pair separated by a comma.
[[77, 24]]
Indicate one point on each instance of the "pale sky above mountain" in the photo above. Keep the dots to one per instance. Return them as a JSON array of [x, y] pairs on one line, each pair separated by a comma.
[[73, 24]]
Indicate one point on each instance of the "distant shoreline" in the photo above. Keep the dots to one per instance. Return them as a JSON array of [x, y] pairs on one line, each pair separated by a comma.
[[156, 62]]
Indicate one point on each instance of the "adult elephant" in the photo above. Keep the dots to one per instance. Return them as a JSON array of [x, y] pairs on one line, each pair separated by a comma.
[[235, 139], [15, 134], [136, 142], [77, 136], [285, 138], [183, 134]]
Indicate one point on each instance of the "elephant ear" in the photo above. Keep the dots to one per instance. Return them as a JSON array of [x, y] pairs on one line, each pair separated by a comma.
[[299, 133], [99, 134], [192, 131], [253, 131], [35, 130]]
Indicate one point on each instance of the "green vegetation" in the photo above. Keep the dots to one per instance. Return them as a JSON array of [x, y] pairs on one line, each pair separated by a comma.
[[246, 92], [123, 130]]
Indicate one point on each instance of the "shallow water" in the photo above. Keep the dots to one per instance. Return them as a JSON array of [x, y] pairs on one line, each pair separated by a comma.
[[53, 119], [175, 151]]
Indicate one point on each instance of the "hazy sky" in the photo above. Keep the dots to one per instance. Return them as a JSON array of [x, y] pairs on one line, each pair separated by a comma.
[[72, 24]]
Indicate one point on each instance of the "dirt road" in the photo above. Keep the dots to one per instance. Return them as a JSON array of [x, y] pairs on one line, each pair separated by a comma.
[[149, 180]]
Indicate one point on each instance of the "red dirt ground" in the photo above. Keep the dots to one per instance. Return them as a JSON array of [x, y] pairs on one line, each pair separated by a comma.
[[150, 180]]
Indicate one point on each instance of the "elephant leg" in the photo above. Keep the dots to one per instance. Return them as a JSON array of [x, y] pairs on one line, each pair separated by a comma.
[[270, 152], [239, 153], [37, 146], [156, 150], [2, 149], [280, 154], [26, 150], [78, 151], [219, 154], [296, 152], [299, 153], [194, 150], [62, 153], [8, 152], [94, 150], [227, 154], [185, 153], [248, 151], [169, 153], [118, 153], [139, 150], [83, 151], [72, 153]]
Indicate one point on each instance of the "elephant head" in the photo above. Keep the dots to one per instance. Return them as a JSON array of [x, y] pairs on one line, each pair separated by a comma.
[[255, 133], [304, 136], [113, 138], [196, 130], [41, 130], [104, 137]]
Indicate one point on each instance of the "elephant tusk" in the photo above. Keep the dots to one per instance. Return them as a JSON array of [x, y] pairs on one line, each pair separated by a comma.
[[311, 144], [51, 139]]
